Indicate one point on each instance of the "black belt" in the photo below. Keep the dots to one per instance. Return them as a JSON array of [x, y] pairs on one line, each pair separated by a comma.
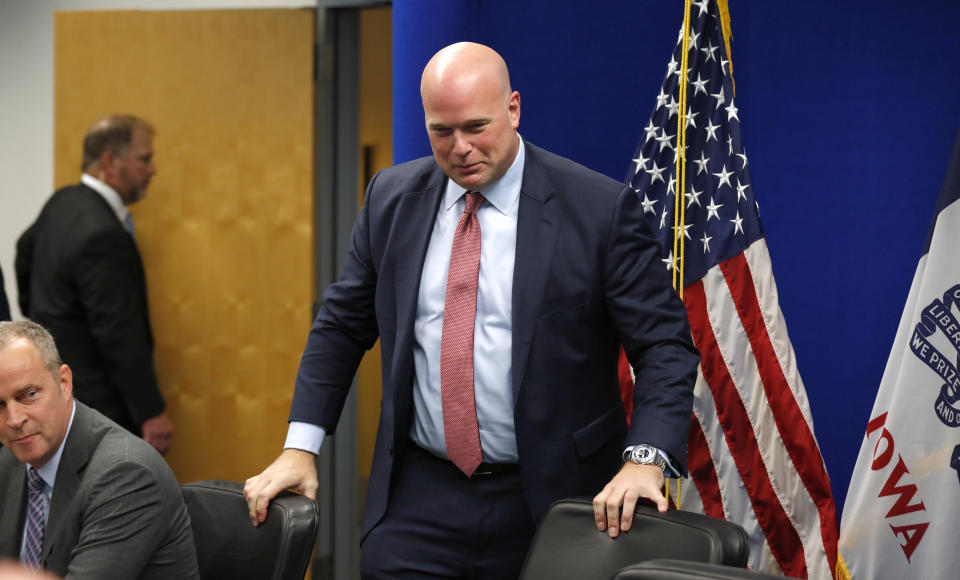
[[483, 470]]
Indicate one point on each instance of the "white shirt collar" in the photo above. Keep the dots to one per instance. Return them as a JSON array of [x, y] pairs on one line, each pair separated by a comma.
[[109, 195], [48, 472], [502, 193]]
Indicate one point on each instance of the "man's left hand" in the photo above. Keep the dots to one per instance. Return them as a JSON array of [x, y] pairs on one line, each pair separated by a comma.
[[621, 494]]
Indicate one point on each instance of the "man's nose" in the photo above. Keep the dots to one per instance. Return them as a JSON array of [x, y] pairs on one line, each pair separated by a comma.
[[13, 417], [461, 146]]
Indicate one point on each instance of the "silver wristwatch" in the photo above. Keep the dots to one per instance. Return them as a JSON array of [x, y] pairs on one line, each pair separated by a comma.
[[644, 454]]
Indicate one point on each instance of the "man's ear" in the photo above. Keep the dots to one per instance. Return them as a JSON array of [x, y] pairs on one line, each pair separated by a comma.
[[66, 380], [106, 162]]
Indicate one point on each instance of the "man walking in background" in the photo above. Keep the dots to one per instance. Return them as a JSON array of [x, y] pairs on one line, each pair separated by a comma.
[[79, 274]]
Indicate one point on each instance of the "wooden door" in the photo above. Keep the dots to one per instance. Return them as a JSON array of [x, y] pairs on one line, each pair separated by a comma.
[[226, 230]]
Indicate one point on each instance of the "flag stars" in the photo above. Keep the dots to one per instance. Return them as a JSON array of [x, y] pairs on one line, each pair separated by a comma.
[[655, 173], [661, 101], [685, 229], [701, 163], [665, 140], [730, 144], [732, 111], [705, 240], [709, 50], [723, 177], [743, 157], [711, 130], [670, 185], [650, 130], [702, 5], [641, 162], [719, 97], [673, 106], [693, 40], [668, 261], [691, 117], [648, 204], [682, 152], [672, 65], [713, 209], [693, 197], [700, 86], [737, 224], [742, 190], [663, 217]]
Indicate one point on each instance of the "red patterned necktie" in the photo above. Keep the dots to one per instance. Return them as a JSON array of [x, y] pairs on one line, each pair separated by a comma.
[[33, 534], [456, 344]]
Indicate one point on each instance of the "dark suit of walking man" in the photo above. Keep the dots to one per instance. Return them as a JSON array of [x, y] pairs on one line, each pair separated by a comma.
[[80, 275], [568, 270], [112, 508]]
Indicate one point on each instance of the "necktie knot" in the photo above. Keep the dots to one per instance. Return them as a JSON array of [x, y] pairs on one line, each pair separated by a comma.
[[35, 483], [474, 199], [128, 225]]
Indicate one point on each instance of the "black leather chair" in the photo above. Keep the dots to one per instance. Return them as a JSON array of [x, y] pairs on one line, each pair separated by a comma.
[[685, 570], [230, 548], [568, 545]]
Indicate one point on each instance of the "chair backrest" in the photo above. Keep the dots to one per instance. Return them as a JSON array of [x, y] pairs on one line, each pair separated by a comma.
[[230, 547], [685, 570], [568, 545]]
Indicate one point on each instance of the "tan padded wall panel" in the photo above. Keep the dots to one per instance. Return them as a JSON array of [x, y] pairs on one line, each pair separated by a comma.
[[226, 231]]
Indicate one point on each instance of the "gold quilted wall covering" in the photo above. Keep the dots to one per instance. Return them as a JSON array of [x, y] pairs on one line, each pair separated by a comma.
[[226, 230]]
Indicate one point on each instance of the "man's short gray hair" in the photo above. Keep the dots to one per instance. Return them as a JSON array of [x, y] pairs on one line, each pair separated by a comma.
[[10, 332]]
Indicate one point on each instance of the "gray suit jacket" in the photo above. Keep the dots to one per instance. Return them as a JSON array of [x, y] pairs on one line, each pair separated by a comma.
[[116, 510]]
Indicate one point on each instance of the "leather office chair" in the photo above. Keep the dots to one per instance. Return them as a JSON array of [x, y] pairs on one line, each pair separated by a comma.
[[684, 570], [568, 545], [229, 547]]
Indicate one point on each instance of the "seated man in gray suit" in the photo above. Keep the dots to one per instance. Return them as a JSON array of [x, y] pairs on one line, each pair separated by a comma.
[[79, 495]]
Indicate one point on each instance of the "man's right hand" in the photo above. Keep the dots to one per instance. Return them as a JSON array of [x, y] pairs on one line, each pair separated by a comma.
[[295, 469], [158, 431]]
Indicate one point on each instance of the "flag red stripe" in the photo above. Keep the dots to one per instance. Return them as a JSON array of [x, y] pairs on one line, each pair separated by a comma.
[[702, 472], [794, 429], [782, 537]]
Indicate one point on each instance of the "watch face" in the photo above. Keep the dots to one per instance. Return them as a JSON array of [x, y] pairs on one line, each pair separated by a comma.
[[646, 453]]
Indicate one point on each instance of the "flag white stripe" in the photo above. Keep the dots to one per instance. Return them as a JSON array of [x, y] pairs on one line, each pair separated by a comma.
[[742, 366]]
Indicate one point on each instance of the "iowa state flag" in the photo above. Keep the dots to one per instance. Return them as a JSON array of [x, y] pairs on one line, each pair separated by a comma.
[[902, 515]]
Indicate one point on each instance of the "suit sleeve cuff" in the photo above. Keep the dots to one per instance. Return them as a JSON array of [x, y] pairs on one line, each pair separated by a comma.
[[305, 436]]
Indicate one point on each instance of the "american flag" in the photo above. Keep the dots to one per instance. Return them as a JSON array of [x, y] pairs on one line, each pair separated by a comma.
[[753, 456]]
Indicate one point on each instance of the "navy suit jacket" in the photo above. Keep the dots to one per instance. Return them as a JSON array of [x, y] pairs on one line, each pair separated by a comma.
[[587, 278]]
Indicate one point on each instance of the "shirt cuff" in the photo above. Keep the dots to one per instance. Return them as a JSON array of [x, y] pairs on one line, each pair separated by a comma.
[[305, 436], [670, 471]]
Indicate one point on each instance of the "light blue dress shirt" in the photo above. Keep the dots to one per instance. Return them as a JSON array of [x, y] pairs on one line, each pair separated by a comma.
[[493, 327]]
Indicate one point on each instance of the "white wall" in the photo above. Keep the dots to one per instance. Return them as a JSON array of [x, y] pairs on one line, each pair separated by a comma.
[[26, 104]]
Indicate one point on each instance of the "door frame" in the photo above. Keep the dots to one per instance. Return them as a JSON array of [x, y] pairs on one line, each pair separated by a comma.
[[337, 77]]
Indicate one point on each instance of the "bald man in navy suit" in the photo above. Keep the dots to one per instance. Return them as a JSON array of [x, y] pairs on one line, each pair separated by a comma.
[[568, 271]]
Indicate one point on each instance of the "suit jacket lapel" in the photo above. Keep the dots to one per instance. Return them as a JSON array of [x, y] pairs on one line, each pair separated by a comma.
[[12, 531], [416, 214], [537, 227], [76, 454]]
